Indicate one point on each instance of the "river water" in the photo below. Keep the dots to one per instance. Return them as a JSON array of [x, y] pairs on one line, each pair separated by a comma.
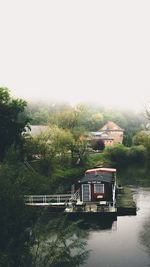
[[127, 241]]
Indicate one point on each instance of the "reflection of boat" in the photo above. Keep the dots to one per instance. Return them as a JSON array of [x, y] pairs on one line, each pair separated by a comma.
[[97, 221], [86, 222], [96, 195]]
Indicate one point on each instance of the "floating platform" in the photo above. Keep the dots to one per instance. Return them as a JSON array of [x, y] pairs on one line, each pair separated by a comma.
[[92, 216], [124, 205], [124, 202]]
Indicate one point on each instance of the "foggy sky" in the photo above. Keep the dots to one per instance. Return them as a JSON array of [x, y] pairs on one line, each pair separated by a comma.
[[76, 50]]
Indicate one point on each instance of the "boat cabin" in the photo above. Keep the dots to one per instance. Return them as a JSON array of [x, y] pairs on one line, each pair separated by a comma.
[[98, 185]]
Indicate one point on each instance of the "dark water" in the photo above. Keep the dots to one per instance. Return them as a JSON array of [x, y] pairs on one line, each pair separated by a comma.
[[127, 242]]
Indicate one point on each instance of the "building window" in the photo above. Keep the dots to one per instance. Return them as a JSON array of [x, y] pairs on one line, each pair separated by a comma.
[[99, 188]]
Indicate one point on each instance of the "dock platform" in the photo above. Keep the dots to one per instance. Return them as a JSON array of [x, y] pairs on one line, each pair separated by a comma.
[[124, 202], [124, 205]]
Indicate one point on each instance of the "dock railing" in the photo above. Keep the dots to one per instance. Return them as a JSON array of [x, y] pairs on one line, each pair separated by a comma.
[[46, 199], [76, 195]]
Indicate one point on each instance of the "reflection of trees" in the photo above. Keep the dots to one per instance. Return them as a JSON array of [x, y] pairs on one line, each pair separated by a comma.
[[50, 242], [58, 243], [145, 235]]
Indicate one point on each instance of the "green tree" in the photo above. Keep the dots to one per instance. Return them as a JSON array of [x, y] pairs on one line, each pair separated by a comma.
[[14, 250], [12, 120], [68, 119], [40, 117], [137, 154], [141, 138], [117, 154], [71, 120], [63, 142], [96, 121]]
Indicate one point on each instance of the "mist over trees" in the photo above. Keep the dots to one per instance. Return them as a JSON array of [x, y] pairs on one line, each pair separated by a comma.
[[91, 117]]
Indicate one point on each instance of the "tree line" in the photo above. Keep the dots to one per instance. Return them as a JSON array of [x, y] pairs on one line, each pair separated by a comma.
[[92, 117]]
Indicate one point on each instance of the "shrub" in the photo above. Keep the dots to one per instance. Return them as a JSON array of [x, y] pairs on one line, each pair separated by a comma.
[[137, 153], [117, 154]]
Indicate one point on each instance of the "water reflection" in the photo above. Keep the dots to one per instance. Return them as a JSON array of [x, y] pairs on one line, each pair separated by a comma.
[[144, 235], [62, 240], [99, 222], [57, 242], [119, 246]]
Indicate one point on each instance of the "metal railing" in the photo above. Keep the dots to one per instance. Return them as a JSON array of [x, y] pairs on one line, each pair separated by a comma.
[[33, 199], [76, 195], [59, 198]]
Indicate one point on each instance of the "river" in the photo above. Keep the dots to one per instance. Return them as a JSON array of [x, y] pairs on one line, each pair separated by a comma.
[[127, 242], [103, 243]]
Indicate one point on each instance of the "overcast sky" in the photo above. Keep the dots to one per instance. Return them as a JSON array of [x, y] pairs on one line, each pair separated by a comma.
[[76, 50]]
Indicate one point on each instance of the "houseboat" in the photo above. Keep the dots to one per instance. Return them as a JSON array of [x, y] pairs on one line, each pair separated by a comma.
[[97, 192]]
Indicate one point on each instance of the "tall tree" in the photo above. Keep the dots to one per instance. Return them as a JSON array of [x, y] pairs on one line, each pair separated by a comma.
[[12, 121], [72, 120]]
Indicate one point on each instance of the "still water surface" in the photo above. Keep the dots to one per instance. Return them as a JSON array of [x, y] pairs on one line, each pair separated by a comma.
[[127, 241]]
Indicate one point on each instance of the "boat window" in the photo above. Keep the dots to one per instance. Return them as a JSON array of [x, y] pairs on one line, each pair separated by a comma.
[[98, 188]]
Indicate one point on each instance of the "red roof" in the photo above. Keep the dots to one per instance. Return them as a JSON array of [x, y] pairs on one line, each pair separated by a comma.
[[100, 170], [111, 126]]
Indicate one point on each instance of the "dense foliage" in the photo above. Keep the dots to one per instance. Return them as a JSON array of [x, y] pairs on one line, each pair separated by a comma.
[[12, 121], [14, 250]]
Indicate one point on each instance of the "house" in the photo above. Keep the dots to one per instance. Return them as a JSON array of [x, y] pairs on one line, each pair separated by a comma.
[[113, 131], [96, 194], [110, 134]]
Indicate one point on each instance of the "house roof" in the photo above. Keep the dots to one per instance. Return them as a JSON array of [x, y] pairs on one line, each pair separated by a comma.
[[99, 175], [111, 126], [97, 170]]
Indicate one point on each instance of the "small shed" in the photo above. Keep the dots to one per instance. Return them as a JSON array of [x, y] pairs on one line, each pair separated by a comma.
[[98, 184]]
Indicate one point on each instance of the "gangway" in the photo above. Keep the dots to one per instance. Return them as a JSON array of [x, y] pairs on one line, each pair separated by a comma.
[[50, 200], [46, 200]]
